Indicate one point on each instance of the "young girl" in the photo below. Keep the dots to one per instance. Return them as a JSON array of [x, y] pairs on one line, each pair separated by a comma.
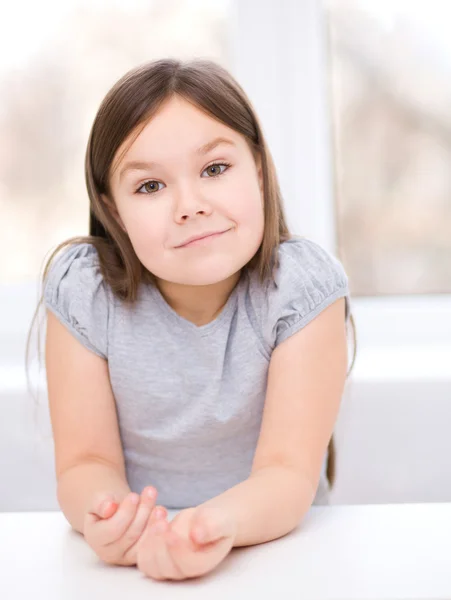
[[194, 349]]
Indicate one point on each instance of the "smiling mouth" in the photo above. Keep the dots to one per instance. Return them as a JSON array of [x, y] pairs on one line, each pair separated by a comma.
[[204, 240]]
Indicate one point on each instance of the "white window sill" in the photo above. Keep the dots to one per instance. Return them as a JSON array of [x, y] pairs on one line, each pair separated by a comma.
[[403, 362]]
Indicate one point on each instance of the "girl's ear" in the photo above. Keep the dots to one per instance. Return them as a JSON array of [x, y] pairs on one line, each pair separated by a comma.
[[113, 210]]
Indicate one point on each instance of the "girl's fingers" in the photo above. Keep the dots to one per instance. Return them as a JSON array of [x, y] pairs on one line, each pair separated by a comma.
[[214, 527], [192, 558], [102, 504], [108, 509], [167, 568], [158, 513], [110, 530], [146, 555], [144, 512]]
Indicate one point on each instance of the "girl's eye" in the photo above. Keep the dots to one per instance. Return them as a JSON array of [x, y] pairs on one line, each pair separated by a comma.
[[214, 170], [150, 187]]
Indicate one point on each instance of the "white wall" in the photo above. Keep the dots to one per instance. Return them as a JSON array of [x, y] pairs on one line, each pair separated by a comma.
[[393, 443], [26, 454]]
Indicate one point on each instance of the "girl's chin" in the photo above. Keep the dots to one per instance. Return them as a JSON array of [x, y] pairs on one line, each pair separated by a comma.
[[199, 274], [202, 280]]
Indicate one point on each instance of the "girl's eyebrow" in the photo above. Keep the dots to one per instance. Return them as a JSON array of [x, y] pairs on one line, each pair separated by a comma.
[[138, 165]]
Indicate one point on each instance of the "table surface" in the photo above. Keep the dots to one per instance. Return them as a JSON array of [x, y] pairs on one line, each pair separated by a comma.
[[353, 552]]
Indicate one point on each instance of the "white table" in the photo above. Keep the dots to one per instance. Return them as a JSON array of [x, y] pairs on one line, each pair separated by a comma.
[[359, 552]]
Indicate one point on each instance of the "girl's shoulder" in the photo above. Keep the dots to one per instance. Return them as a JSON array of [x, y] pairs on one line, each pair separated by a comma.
[[74, 258], [74, 290], [305, 281], [301, 259], [73, 273]]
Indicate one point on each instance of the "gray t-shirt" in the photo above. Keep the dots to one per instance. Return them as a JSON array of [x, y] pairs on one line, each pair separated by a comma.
[[190, 399]]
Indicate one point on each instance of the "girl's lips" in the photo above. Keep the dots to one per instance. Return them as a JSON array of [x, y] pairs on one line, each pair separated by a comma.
[[204, 240]]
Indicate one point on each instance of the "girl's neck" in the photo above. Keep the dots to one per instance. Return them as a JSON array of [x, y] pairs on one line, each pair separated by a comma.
[[199, 304]]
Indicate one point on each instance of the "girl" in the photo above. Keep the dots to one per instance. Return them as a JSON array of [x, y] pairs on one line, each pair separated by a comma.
[[194, 348]]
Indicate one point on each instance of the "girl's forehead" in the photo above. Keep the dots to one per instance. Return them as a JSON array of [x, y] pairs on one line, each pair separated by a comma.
[[161, 137], [174, 121]]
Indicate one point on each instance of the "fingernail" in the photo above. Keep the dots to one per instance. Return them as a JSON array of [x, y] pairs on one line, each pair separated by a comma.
[[134, 499], [151, 493]]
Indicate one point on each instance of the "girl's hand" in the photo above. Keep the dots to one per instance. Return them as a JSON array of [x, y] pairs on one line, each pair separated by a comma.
[[112, 530], [193, 544]]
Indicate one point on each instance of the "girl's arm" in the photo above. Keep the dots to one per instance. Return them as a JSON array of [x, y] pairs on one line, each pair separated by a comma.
[[88, 450], [306, 380]]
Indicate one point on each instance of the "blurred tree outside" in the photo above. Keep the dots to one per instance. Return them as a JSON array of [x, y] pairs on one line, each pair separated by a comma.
[[50, 93], [390, 86]]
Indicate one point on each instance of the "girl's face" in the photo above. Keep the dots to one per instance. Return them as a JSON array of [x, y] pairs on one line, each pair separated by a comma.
[[187, 175]]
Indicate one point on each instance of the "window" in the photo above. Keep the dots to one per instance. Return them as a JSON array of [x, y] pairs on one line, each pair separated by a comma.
[[390, 85], [56, 65], [54, 71]]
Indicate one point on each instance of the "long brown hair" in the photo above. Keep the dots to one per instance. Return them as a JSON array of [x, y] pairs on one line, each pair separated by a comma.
[[123, 113]]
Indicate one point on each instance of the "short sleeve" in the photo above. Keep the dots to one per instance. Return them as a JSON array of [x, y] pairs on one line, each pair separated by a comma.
[[75, 292], [307, 281]]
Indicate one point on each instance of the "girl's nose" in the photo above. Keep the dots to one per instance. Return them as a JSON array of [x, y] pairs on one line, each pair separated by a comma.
[[188, 204]]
